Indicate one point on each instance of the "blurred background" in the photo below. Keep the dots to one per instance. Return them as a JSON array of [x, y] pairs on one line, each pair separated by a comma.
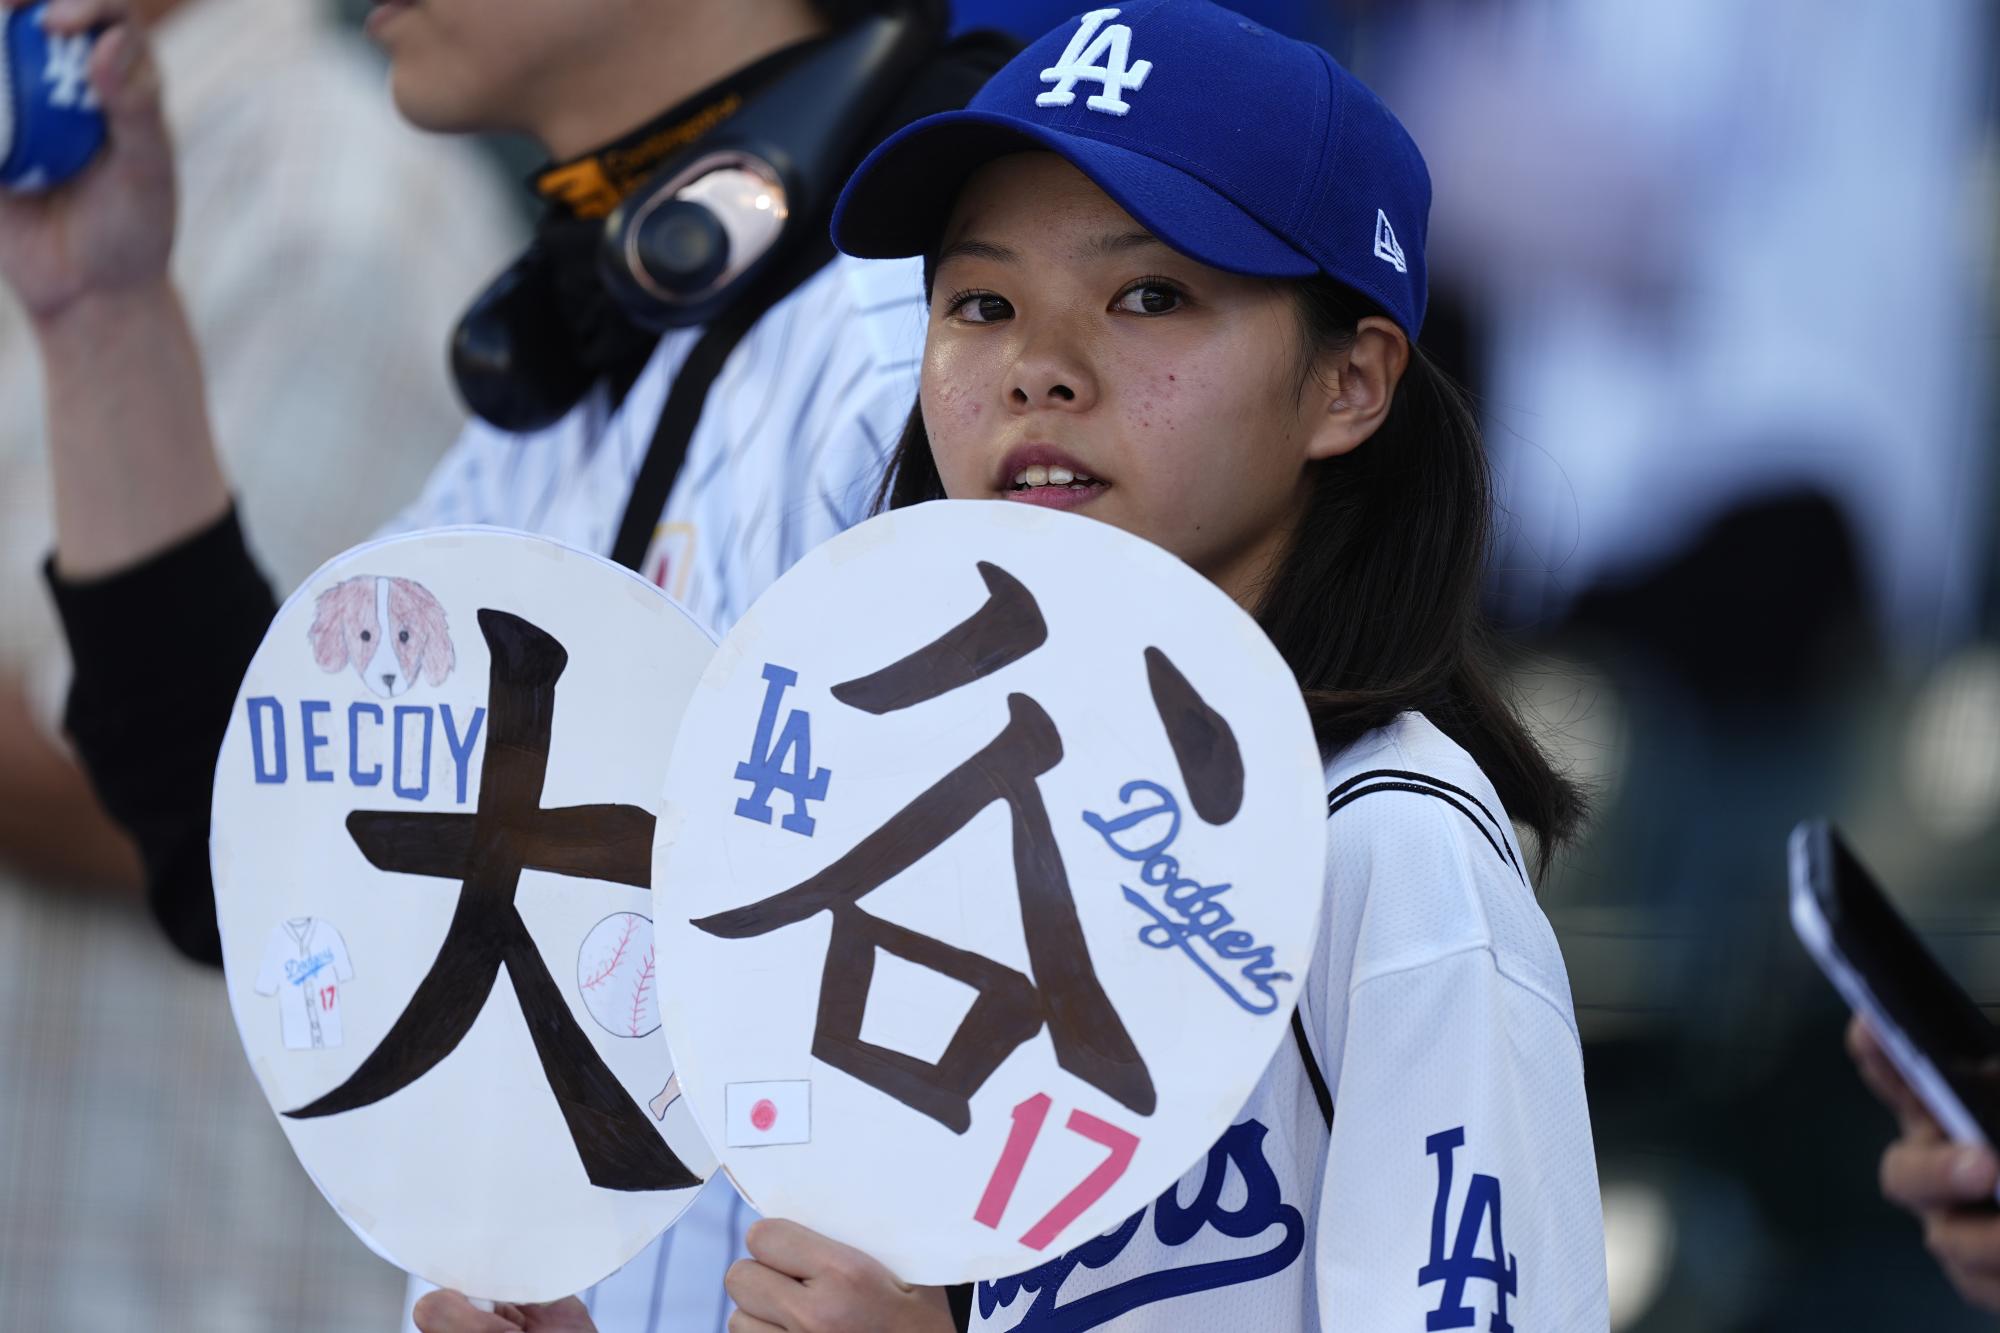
[[1722, 275]]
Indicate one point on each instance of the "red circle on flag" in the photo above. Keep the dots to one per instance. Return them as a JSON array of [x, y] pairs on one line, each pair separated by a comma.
[[764, 1114]]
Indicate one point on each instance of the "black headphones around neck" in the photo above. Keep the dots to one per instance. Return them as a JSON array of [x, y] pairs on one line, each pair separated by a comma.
[[702, 228]]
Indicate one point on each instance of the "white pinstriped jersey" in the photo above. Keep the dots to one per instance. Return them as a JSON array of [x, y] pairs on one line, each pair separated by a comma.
[[793, 437], [1457, 1187]]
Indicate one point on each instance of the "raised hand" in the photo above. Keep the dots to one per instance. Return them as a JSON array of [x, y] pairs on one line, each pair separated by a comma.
[[111, 230]]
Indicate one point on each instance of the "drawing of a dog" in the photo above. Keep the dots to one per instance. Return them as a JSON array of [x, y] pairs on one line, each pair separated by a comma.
[[390, 631]]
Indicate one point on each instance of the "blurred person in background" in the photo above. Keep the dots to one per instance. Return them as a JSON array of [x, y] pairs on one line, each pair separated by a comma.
[[141, 1178], [1693, 230], [1725, 261], [1726, 264], [718, 453], [1948, 1187], [290, 164]]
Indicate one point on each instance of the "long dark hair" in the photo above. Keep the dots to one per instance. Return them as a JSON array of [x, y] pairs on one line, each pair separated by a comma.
[[1376, 603]]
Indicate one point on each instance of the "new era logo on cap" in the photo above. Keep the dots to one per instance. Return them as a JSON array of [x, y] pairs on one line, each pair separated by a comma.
[[1386, 248]]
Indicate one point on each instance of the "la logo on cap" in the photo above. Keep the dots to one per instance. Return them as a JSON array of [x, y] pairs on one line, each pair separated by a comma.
[[1092, 43], [1386, 247]]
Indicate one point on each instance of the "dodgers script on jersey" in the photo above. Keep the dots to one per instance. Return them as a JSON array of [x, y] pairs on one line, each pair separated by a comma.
[[1457, 1187]]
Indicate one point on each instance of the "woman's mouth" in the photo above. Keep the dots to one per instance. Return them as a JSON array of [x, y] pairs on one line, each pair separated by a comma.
[[1041, 477], [1055, 487]]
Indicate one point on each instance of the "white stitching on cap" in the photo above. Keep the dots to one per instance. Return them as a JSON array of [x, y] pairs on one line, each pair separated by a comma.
[[1116, 76]]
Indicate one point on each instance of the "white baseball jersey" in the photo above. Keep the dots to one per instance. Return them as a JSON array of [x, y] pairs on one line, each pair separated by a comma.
[[305, 962], [794, 435], [1457, 1187]]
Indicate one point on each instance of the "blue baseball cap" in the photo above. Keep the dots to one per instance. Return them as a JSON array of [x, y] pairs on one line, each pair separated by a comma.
[[1239, 147]]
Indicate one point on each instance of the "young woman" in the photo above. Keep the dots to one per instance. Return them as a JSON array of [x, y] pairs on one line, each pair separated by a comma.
[[1176, 270]]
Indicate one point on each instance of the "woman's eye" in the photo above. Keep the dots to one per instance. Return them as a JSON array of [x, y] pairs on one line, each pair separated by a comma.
[[1149, 298], [366, 636], [981, 308]]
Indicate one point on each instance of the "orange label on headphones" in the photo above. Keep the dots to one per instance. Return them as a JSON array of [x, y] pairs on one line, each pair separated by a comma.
[[591, 187], [582, 187]]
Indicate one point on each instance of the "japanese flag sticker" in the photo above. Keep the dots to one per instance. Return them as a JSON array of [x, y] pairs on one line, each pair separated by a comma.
[[762, 1115]]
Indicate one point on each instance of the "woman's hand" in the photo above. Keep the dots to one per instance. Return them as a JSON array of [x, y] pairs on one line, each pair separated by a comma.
[[798, 1281], [109, 231], [450, 1312], [1946, 1186]]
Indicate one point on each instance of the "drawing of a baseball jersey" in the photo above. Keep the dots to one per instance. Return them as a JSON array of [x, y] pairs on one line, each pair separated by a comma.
[[305, 960], [1455, 1186]]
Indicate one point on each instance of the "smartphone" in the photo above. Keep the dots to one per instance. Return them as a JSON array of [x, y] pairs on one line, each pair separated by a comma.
[[1937, 1038]]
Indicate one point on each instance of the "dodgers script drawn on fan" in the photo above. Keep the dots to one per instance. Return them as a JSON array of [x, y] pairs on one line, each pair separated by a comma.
[[449, 743], [988, 872]]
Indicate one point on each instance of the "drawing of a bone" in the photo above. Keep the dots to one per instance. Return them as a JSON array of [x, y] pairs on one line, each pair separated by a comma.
[[668, 1096]]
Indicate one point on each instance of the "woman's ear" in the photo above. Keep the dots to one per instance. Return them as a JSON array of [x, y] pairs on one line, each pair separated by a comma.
[[1351, 391]]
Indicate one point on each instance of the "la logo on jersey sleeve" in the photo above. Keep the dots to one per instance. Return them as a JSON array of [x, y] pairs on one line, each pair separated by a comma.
[[449, 744], [1472, 1252], [992, 838]]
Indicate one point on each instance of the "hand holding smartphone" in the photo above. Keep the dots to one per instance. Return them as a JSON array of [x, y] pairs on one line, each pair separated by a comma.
[[1943, 1046]]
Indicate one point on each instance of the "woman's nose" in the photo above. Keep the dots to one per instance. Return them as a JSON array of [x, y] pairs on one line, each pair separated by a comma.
[[1051, 374], [1054, 393]]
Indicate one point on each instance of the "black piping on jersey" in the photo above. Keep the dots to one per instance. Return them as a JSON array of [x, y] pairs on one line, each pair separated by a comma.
[[682, 413], [1422, 784], [1321, 1093], [1395, 779]]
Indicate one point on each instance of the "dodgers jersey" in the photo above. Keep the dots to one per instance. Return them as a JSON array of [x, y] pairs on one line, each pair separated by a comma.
[[1457, 1185], [794, 434], [304, 966]]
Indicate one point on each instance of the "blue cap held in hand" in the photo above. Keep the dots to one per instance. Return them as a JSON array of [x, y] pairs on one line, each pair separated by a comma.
[[1240, 148], [50, 124]]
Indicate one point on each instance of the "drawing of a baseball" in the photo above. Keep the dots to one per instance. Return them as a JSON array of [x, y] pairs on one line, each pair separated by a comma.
[[614, 974]]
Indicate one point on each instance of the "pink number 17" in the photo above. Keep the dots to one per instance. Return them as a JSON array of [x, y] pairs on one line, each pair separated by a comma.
[[1028, 1119]]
